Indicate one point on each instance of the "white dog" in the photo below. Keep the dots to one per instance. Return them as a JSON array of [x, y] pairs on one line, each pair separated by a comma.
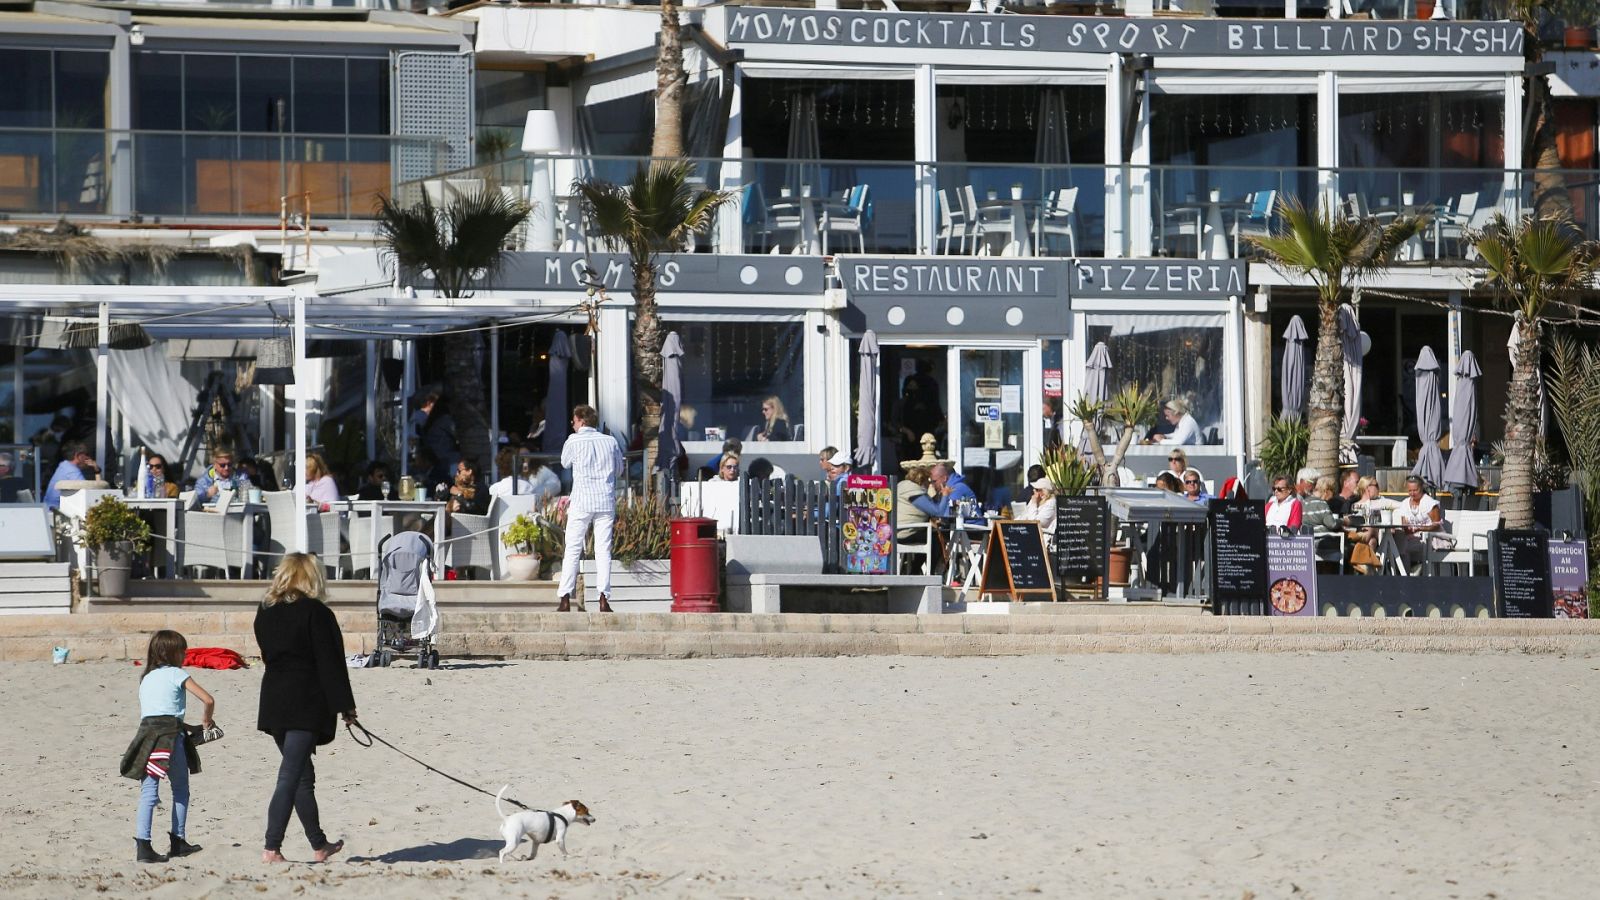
[[540, 826]]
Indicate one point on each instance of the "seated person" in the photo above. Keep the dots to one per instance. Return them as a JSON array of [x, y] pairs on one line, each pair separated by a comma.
[[321, 489], [911, 516], [839, 465], [220, 476], [710, 469], [155, 478], [10, 482], [377, 477], [1318, 513], [1194, 487], [532, 478], [728, 468], [466, 494], [950, 489], [1041, 508], [259, 473], [1185, 430], [1169, 482], [77, 464], [774, 421], [760, 469]]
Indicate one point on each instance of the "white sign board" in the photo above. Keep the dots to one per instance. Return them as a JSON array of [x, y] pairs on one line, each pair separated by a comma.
[[25, 532]]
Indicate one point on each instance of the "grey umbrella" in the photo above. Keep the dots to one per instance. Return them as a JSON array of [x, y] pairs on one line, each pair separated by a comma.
[[1350, 346], [556, 413], [1292, 378], [866, 452], [1459, 468], [1430, 462], [1096, 386], [671, 400]]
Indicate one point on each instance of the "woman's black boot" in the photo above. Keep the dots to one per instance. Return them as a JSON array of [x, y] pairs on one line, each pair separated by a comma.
[[147, 853], [181, 847]]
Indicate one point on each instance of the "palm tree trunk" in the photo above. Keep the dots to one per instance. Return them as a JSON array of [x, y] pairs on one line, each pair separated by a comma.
[[1522, 430], [667, 141], [647, 340], [1327, 393], [463, 367]]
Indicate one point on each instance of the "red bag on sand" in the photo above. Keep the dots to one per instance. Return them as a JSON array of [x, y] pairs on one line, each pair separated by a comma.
[[213, 658]]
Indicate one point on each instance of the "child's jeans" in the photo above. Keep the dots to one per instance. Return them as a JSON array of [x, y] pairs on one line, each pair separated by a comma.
[[149, 790]]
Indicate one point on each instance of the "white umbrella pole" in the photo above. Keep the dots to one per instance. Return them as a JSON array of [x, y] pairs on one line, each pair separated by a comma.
[[101, 389], [302, 389], [372, 398], [494, 402]]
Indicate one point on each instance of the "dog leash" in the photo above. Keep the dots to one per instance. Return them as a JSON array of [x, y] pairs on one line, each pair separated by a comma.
[[352, 726]]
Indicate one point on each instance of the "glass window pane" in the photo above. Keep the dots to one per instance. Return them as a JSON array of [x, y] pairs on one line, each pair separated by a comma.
[[731, 370], [318, 95], [81, 88], [1181, 357], [264, 93], [992, 447], [157, 91], [210, 92], [25, 102], [369, 96]]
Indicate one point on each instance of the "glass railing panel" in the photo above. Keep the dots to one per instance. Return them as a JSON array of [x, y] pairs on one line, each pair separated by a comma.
[[1016, 209], [57, 172]]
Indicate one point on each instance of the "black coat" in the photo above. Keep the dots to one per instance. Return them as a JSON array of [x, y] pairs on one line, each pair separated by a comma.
[[306, 684]]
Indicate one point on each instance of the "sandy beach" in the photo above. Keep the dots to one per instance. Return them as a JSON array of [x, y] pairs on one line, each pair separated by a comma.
[[1338, 775]]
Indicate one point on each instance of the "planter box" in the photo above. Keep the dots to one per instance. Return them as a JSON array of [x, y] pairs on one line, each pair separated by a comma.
[[645, 586]]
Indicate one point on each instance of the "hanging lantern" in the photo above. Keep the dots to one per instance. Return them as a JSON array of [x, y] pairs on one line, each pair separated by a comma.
[[275, 360]]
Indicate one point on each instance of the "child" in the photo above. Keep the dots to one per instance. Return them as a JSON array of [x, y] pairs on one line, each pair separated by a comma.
[[160, 748]]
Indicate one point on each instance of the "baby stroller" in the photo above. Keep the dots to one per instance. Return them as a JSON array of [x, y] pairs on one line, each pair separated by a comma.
[[408, 617]]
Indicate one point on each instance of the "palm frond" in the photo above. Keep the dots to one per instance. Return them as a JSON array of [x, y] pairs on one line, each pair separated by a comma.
[[458, 243], [1531, 262], [1331, 249]]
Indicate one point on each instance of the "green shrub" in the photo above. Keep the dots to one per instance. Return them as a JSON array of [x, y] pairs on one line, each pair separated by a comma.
[[523, 535], [111, 521], [1283, 448]]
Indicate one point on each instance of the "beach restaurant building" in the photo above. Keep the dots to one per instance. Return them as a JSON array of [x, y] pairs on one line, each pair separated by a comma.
[[992, 195]]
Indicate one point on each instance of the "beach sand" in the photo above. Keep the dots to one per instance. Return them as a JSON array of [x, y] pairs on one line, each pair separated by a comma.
[[1340, 775]]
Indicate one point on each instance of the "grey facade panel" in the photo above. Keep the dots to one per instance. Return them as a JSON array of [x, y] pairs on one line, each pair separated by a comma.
[[433, 95]]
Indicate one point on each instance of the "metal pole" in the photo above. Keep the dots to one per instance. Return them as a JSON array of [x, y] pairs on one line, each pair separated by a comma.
[[302, 392], [494, 402], [372, 400], [101, 360], [19, 357], [407, 381]]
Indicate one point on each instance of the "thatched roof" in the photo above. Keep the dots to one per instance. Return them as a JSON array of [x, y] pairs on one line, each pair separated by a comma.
[[75, 248]]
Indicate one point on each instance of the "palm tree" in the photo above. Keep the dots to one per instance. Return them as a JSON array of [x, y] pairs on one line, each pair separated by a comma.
[[1550, 196], [666, 142], [1532, 264], [1335, 252], [458, 245], [1131, 410], [656, 212]]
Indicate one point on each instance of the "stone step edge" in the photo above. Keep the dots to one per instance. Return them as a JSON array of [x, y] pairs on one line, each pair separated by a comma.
[[712, 645]]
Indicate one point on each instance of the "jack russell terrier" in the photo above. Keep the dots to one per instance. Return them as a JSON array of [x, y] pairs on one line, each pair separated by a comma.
[[540, 826]]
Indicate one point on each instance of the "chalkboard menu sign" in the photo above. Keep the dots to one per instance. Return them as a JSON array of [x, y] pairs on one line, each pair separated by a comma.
[[1519, 562], [1014, 562], [1083, 537], [1238, 567]]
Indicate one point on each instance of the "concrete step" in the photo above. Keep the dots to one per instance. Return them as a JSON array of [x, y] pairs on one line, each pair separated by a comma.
[[218, 595]]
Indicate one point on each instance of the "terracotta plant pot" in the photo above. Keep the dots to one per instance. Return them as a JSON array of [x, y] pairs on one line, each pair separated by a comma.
[[1578, 37], [1424, 9], [1117, 569]]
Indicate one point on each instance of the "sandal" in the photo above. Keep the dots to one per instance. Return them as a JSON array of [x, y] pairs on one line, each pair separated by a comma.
[[328, 850]]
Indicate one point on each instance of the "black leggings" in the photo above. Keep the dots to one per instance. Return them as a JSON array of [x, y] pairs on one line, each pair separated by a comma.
[[296, 789]]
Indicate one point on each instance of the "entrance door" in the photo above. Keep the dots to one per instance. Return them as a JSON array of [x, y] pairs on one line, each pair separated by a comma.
[[943, 390]]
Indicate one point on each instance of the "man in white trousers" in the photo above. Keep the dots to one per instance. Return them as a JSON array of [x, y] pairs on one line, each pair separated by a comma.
[[595, 461]]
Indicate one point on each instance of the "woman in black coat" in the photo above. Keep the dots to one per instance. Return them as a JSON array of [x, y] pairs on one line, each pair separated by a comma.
[[304, 690]]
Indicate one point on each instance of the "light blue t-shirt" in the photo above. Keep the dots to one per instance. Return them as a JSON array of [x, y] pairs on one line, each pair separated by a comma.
[[161, 692]]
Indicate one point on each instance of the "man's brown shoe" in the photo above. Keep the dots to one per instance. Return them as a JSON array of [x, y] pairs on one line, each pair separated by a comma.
[[566, 604], [604, 606]]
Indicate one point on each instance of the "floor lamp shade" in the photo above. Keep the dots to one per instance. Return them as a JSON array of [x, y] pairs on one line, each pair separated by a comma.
[[540, 134]]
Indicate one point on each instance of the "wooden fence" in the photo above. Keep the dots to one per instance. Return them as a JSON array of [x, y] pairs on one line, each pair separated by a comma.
[[792, 506]]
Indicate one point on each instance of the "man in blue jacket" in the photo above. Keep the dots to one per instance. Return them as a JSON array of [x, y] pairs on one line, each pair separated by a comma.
[[952, 489]]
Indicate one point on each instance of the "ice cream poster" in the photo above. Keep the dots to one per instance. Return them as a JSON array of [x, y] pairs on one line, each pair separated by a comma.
[[868, 525]]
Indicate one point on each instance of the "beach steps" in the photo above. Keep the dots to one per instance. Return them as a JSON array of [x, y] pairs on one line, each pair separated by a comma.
[[544, 634]]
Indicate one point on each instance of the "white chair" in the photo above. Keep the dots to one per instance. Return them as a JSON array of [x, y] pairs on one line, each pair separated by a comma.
[[214, 540], [1058, 219], [359, 533], [1471, 530], [975, 219], [914, 546], [853, 216], [1255, 221], [474, 541], [322, 529], [1452, 223], [952, 225], [757, 227]]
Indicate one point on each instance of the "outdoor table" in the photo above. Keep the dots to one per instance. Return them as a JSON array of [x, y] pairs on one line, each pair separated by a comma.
[[1153, 509], [170, 509], [956, 542], [1021, 213], [383, 512], [1389, 548], [807, 208], [1210, 235]]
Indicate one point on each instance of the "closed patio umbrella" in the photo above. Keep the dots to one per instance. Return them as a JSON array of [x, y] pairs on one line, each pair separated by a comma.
[[1460, 468], [866, 452], [671, 400], [556, 414], [1096, 386], [1350, 346], [1292, 378], [1430, 462]]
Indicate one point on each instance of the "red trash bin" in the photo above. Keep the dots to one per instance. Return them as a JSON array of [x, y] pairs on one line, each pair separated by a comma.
[[695, 579]]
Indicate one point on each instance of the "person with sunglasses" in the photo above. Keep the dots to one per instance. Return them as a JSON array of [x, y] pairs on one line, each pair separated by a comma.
[[1284, 510], [1194, 487], [1177, 462], [155, 479], [220, 475]]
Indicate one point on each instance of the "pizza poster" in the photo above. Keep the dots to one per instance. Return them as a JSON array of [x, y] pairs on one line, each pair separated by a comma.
[[868, 525], [1569, 579], [1291, 576]]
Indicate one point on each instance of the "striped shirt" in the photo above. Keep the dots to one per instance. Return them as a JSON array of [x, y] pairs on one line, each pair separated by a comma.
[[595, 461]]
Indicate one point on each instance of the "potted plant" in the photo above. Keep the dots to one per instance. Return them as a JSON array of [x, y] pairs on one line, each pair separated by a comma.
[[523, 536], [1284, 446], [115, 533], [1579, 17]]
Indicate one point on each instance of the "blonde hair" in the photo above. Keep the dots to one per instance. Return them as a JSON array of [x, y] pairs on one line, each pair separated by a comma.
[[778, 412], [1361, 484], [298, 577], [1325, 483], [315, 467]]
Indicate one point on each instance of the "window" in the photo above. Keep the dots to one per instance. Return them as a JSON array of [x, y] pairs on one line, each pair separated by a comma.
[[158, 91], [265, 94], [319, 93], [1180, 356], [81, 88], [210, 92], [369, 96], [25, 102], [731, 369]]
